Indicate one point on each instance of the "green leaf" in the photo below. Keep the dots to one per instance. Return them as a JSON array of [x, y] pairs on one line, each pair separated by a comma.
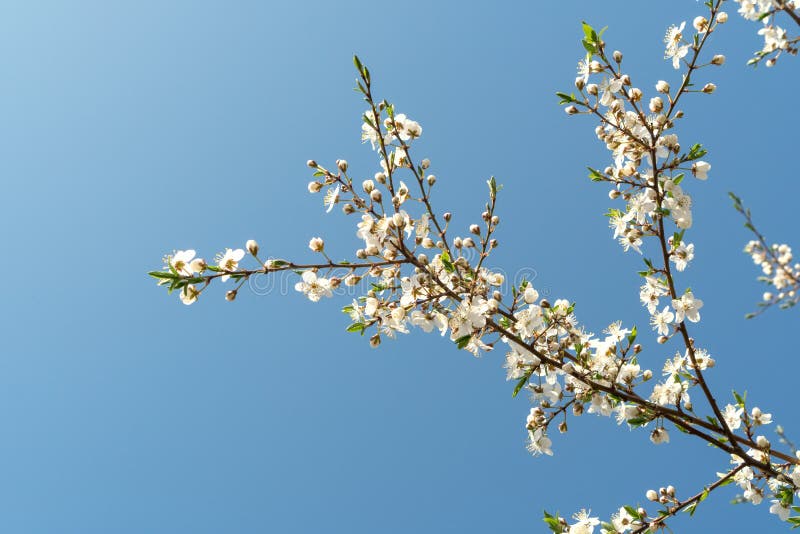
[[521, 383], [163, 275], [357, 327], [565, 98], [595, 175], [632, 335], [463, 341], [448, 265]]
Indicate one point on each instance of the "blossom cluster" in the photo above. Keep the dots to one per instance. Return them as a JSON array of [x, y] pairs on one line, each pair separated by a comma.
[[776, 39], [778, 271], [418, 271]]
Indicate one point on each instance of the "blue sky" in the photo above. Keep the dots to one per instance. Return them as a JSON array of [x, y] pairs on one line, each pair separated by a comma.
[[134, 128]]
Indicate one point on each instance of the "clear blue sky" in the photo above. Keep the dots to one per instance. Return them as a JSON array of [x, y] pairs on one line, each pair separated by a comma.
[[130, 129]]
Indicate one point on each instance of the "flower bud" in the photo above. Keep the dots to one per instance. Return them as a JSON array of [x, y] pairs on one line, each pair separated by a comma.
[[700, 24], [474, 229], [311, 163], [431, 179], [592, 89], [398, 220], [368, 186], [656, 104], [709, 88], [762, 442], [380, 177], [579, 83], [614, 194], [342, 164], [571, 110], [316, 244], [447, 215], [530, 295], [651, 495], [425, 163], [662, 87], [375, 195], [617, 56], [544, 303], [230, 296], [314, 187], [635, 94], [493, 243], [468, 242], [562, 427], [722, 17], [719, 59], [352, 280], [375, 340], [252, 247], [647, 375], [347, 209]]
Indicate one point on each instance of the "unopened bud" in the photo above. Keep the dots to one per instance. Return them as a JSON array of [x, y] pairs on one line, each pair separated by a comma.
[[368, 186], [314, 187], [617, 56], [651, 495], [637, 348], [700, 24], [562, 427], [656, 104], [230, 296], [719, 59], [709, 88], [431, 179], [425, 163], [635, 94], [375, 340], [722, 17], [762, 442], [447, 216], [647, 375], [342, 164], [252, 247], [375, 195], [474, 229], [614, 194], [316, 244], [662, 86], [311, 163], [380, 177], [571, 110]]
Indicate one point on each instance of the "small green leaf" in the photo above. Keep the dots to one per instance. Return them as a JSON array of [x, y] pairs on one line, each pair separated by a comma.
[[357, 327], [463, 341]]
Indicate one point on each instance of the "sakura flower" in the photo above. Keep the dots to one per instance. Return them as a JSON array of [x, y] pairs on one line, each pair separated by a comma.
[[659, 436], [780, 509], [184, 263], [314, 287], [584, 525], [331, 198], [687, 307], [189, 294], [675, 50], [538, 442], [622, 520], [700, 169], [732, 416], [682, 255], [662, 320], [229, 261]]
